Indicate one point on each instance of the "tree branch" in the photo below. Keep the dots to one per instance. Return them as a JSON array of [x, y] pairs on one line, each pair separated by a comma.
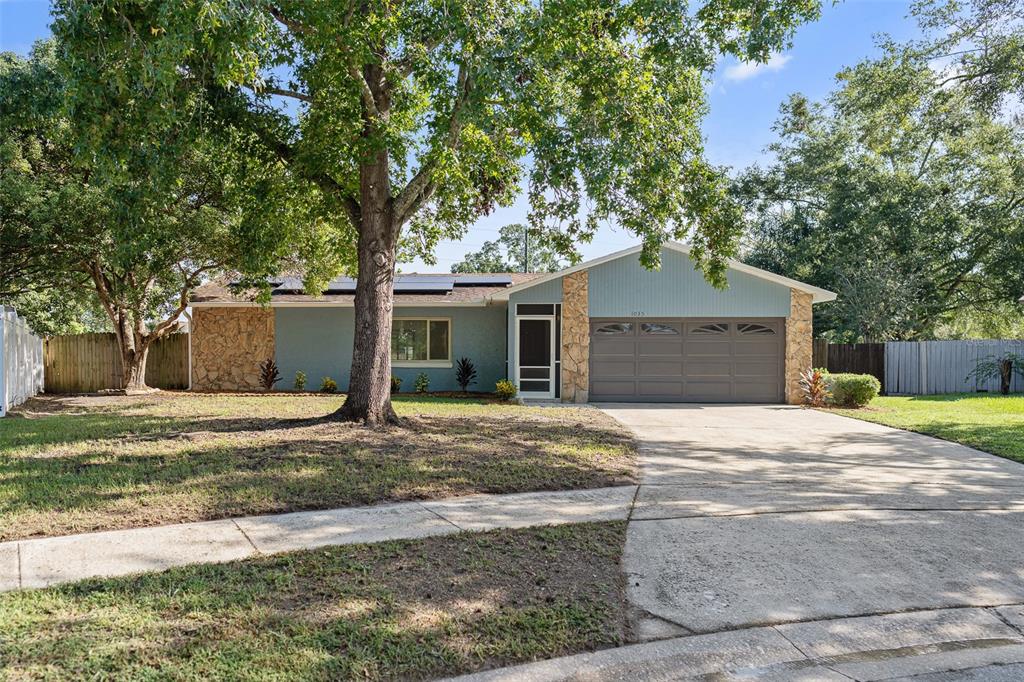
[[421, 188], [281, 92], [293, 26], [369, 101]]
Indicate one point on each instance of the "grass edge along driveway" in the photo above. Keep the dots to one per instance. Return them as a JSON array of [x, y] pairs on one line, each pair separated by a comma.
[[81, 464], [409, 609], [988, 422]]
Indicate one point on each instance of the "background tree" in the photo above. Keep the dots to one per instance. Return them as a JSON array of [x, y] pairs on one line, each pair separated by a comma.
[[133, 244], [515, 250], [902, 191], [421, 115], [911, 208]]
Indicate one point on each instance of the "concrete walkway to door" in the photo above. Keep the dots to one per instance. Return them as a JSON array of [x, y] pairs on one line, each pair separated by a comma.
[[760, 515]]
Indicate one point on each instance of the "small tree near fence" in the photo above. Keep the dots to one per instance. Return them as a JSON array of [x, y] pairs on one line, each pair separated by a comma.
[[1003, 366]]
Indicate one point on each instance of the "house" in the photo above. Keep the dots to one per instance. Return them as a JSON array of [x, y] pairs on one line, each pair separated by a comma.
[[604, 330]]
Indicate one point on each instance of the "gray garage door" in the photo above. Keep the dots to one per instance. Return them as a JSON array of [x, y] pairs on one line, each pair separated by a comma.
[[687, 360]]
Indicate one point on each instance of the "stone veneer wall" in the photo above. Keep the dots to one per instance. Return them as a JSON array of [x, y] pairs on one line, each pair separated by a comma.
[[575, 338], [799, 349], [228, 345]]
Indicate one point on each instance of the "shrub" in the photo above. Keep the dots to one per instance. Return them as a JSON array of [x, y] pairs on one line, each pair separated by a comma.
[[505, 389], [853, 390], [396, 384], [328, 385], [300, 381], [465, 373], [815, 386], [422, 382], [269, 374]]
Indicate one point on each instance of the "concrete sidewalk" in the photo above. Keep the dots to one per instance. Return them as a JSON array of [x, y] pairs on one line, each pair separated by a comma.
[[924, 646], [50, 561]]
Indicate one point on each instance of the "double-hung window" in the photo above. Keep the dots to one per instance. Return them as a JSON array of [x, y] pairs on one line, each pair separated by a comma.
[[425, 342]]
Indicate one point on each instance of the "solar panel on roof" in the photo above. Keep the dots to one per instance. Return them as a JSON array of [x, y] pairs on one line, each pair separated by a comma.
[[289, 285], [483, 281], [424, 278], [341, 285], [420, 285]]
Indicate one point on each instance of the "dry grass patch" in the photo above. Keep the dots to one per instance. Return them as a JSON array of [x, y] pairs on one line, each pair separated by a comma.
[[398, 610], [71, 465]]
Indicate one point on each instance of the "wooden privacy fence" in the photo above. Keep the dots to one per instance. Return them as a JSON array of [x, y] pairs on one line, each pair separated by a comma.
[[856, 358], [21, 360], [930, 367], [919, 367], [82, 363]]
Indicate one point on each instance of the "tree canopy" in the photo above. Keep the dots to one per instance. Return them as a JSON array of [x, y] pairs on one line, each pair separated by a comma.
[[902, 192], [133, 245], [515, 250]]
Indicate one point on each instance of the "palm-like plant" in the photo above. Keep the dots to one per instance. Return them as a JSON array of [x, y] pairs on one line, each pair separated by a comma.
[[1003, 366], [465, 373], [814, 384], [269, 374]]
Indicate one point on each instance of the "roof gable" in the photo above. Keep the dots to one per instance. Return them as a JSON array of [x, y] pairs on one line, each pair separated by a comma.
[[818, 294]]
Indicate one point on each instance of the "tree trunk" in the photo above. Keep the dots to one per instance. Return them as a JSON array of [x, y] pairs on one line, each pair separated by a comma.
[[369, 391], [1005, 375], [133, 363]]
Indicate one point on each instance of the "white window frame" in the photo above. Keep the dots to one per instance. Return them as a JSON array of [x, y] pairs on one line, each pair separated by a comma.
[[550, 393], [443, 364]]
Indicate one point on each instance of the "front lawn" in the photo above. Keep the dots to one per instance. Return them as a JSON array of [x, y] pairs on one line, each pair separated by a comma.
[[397, 610], [993, 423], [80, 464]]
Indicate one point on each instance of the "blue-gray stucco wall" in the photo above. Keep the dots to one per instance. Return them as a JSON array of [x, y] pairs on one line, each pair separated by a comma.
[[624, 288], [318, 341]]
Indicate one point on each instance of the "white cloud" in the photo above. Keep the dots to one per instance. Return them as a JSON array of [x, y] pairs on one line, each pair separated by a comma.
[[741, 71]]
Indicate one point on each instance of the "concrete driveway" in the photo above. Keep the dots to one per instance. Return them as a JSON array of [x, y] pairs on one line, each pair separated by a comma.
[[762, 515]]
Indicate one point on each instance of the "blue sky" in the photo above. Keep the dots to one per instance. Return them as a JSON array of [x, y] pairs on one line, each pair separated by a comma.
[[744, 100]]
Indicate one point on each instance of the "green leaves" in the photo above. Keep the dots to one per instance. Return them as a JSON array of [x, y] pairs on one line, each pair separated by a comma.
[[592, 107], [901, 192]]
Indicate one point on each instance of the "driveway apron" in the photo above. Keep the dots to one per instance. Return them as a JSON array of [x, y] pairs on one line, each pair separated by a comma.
[[762, 515]]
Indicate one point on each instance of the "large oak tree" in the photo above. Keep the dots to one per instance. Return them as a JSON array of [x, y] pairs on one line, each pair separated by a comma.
[[415, 117]]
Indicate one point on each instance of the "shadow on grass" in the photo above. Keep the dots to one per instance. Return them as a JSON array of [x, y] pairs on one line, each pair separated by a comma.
[[397, 610], [235, 468]]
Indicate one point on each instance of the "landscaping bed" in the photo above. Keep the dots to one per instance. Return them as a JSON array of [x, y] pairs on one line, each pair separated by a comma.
[[993, 423], [75, 464], [397, 610]]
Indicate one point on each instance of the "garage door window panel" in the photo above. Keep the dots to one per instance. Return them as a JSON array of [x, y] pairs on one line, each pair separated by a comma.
[[659, 329], [713, 329], [753, 329], [614, 329]]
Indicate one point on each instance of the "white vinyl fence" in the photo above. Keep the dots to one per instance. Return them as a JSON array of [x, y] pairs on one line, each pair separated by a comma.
[[930, 367], [21, 361]]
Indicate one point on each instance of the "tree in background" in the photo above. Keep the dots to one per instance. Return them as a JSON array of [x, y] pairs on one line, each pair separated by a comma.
[[414, 119], [133, 245], [515, 250], [902, 192]]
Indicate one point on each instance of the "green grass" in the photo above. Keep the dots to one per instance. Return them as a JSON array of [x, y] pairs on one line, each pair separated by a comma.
[[71, 465], [398, 610], [993, 423]]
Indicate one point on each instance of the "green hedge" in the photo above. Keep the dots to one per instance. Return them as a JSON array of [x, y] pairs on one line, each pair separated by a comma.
[[853, 390]]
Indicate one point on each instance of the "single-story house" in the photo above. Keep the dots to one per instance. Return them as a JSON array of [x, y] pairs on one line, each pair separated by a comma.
[[604, 330]]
